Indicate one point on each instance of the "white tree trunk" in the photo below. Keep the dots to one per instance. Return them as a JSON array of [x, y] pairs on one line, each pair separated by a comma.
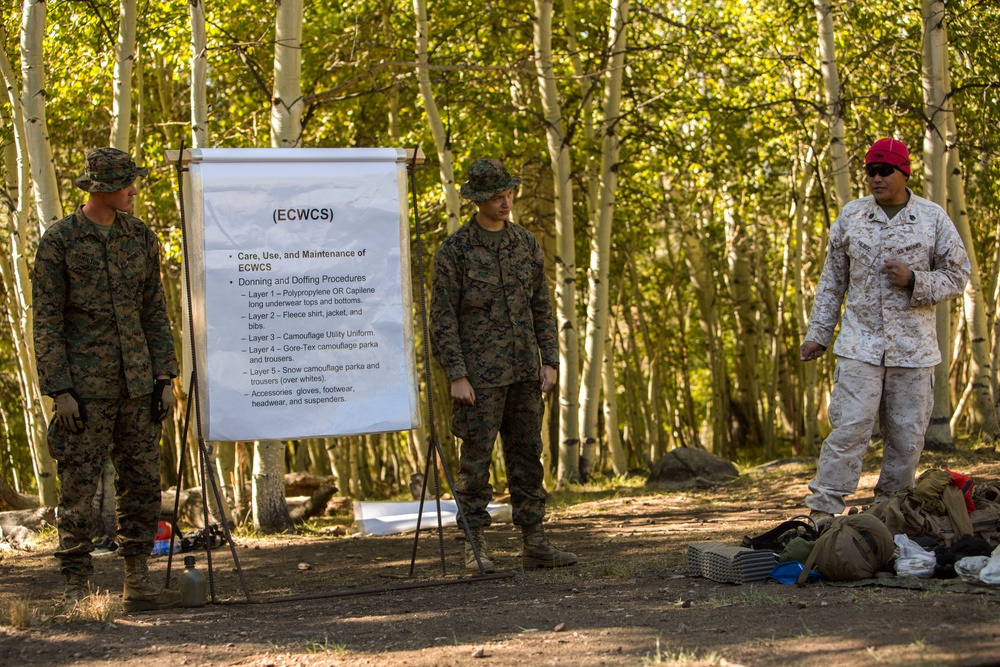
[[617, 453], [199, 73], [270, 511], [121, 83], [834, 103], [807, 372], [558, 145], [32, 102], [17, 283], [653, 415], [587, 83], [938, 434], [286, 104], [600, 248], [442, 144], [983, 406]]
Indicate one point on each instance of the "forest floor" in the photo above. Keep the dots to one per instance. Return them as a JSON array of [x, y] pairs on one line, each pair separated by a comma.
[[628, 602]]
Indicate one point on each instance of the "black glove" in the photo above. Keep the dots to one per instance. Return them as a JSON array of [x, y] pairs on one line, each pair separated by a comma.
[[71, 411], [162, 399]]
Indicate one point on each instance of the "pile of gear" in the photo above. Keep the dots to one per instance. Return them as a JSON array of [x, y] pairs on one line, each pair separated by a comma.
[[944, 526]]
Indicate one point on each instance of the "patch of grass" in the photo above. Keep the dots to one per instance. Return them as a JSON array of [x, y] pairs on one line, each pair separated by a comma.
[[664, 656], [599, 488], [325, 646], [989, 604], [625, 568], [871, 651], [917, 595], [806, 631], [314, 646], [314, 526], [19, 614], [752, 597], [99, 606], [47, 533], [246, 530], [865, 595], [554, 575], [925, 651]]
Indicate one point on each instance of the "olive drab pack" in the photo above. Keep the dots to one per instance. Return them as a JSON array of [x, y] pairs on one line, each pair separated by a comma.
[[852, 547], [905, 512]]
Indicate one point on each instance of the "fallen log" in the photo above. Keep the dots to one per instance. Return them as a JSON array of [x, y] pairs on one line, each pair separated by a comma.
[[306, 483], [315, 505], [12, 500]]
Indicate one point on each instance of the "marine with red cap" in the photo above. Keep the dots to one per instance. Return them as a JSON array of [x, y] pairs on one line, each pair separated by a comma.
[[893, 256]]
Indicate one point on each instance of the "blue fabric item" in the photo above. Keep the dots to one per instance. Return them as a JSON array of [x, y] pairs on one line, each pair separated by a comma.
[[788, 573]]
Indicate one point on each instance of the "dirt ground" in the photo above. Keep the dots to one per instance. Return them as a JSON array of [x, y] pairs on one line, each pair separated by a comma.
[[629, 602]]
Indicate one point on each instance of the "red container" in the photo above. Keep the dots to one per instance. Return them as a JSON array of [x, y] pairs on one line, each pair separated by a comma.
[[163, 531]]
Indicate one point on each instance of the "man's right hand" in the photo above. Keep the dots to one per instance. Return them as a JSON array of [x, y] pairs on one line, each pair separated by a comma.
[[70, 413], [463, 392], [810, 350]]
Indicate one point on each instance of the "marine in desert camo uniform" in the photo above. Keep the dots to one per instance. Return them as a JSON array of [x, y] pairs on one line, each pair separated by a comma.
[[893, 256]]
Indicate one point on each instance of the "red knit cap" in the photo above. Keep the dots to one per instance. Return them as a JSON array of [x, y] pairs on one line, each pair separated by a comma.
[[890, 151]]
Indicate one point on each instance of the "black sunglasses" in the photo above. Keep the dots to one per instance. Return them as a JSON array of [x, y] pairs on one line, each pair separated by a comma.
[[882, 170]]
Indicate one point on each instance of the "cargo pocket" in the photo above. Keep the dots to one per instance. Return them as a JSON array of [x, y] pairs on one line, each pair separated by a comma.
[[57, 436], [834, 408], [459, 420]]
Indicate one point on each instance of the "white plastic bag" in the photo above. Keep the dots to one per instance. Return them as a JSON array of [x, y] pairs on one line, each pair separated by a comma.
[[990, 574], [912, 560], [968, 568]]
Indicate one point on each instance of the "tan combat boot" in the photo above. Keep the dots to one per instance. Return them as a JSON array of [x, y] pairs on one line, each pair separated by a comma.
[[539, 552], [77, 587], [140, 593], [479, 539]]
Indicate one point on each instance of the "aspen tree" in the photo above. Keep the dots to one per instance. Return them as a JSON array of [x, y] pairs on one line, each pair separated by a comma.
[[558, 145], [270, 511], [17, 280], [834, 110], [442, 143], [938, 435], [32, 103], [121, 97], [600, 250]]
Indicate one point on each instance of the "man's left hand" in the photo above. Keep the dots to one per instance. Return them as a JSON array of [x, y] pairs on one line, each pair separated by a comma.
[[898, 273], [547, 376], [162, 399]]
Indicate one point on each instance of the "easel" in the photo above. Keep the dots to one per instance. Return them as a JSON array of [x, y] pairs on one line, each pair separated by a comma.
[[180, 158]]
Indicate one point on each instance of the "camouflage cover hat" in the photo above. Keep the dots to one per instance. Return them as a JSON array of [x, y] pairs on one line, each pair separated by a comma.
[[108, 170], [486, 178]]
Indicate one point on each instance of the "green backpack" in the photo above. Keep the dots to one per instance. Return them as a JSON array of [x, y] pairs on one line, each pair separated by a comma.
[[852, 547]]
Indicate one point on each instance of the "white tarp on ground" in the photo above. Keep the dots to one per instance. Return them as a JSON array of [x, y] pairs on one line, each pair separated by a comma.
[[300, 280], [390, 518]]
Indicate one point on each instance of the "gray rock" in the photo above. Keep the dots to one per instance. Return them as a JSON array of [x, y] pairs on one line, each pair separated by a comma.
[[688, 467]]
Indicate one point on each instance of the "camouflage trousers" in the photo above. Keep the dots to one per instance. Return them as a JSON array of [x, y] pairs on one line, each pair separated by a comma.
[[124, 427], [515, 412], [902, 399]]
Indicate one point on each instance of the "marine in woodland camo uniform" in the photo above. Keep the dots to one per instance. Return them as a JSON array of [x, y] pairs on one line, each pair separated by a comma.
[[492, 324], [889, 272], [102, 333]]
